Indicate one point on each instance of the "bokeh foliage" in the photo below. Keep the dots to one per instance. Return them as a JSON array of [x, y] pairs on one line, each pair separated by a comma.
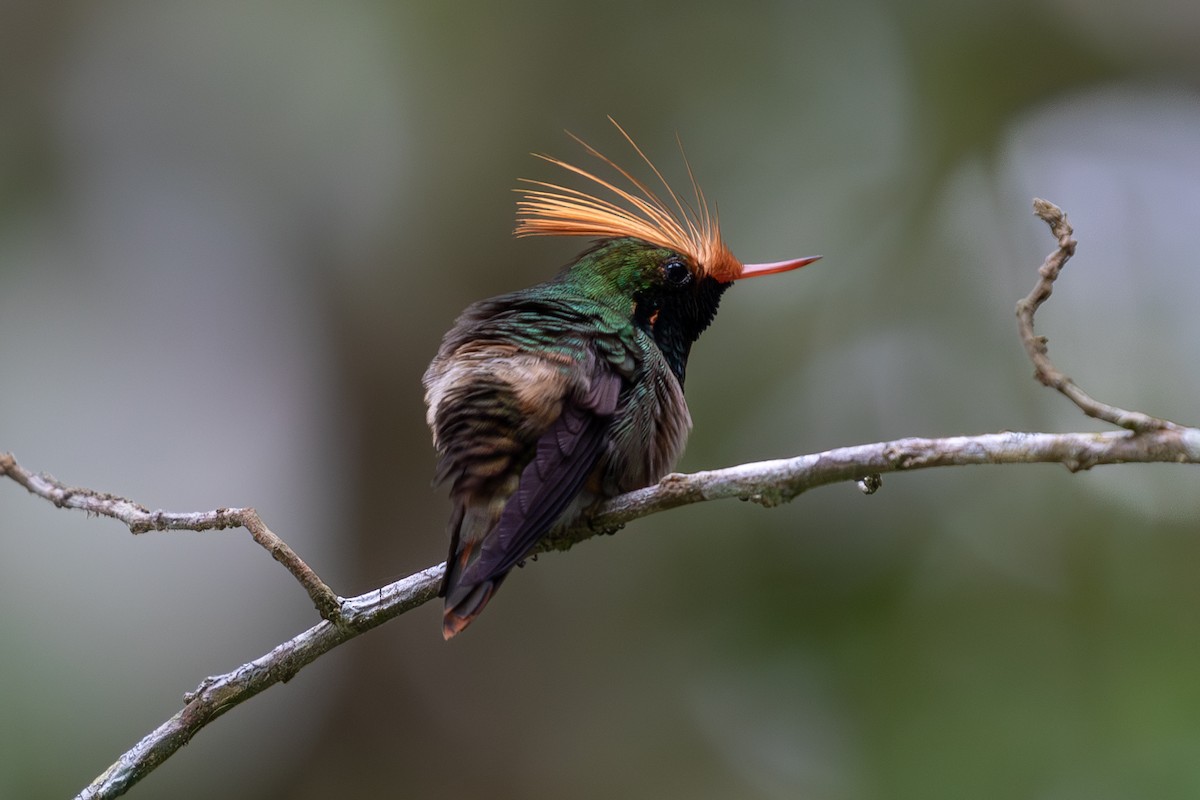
[[232, 234]]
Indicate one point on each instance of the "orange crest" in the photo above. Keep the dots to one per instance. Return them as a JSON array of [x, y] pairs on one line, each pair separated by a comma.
[[691, 231]]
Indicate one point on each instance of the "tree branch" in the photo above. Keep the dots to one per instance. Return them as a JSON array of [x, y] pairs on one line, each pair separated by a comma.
[[1035, 346], [1144, 439], [140, 519]]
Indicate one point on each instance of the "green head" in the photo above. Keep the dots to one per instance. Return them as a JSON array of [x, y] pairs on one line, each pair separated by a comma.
[[662, 264], [656, 288]]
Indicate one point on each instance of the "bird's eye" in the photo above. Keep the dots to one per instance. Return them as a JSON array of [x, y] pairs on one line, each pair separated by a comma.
[[677, 272]]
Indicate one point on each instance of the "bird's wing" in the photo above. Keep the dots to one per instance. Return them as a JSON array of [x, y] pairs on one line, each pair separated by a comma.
[[563, 459], [520, 421]]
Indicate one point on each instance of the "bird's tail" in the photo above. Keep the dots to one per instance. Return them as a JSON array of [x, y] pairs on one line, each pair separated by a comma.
[[465, 603], [465, 589]]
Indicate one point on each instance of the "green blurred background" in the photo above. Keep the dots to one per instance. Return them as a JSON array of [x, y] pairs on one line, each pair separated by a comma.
[[231, 236]]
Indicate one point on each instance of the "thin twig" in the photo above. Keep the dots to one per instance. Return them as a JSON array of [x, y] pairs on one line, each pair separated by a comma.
[[1035, 345], [140, 519], [219, 694], [766, 482]]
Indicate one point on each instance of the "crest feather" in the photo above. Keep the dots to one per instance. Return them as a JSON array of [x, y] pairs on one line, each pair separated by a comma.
[[550, 209]]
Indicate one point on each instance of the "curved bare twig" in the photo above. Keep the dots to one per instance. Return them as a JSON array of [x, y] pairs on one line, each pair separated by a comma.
[[140, 519], [1035, 345]]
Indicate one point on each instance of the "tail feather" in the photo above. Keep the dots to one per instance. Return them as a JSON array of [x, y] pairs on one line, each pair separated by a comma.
[[465, 594], [465, 603]]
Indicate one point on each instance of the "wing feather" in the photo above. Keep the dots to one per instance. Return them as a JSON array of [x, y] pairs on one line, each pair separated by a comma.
[[499, 524]]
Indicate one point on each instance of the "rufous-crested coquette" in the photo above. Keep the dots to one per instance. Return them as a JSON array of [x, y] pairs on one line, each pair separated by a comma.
[[547, 400]]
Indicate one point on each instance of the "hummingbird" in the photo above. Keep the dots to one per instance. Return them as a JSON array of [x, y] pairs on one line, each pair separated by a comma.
[[548, 400]]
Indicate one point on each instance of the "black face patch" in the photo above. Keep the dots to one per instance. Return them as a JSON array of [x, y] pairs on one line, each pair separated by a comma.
[[675, 316]]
